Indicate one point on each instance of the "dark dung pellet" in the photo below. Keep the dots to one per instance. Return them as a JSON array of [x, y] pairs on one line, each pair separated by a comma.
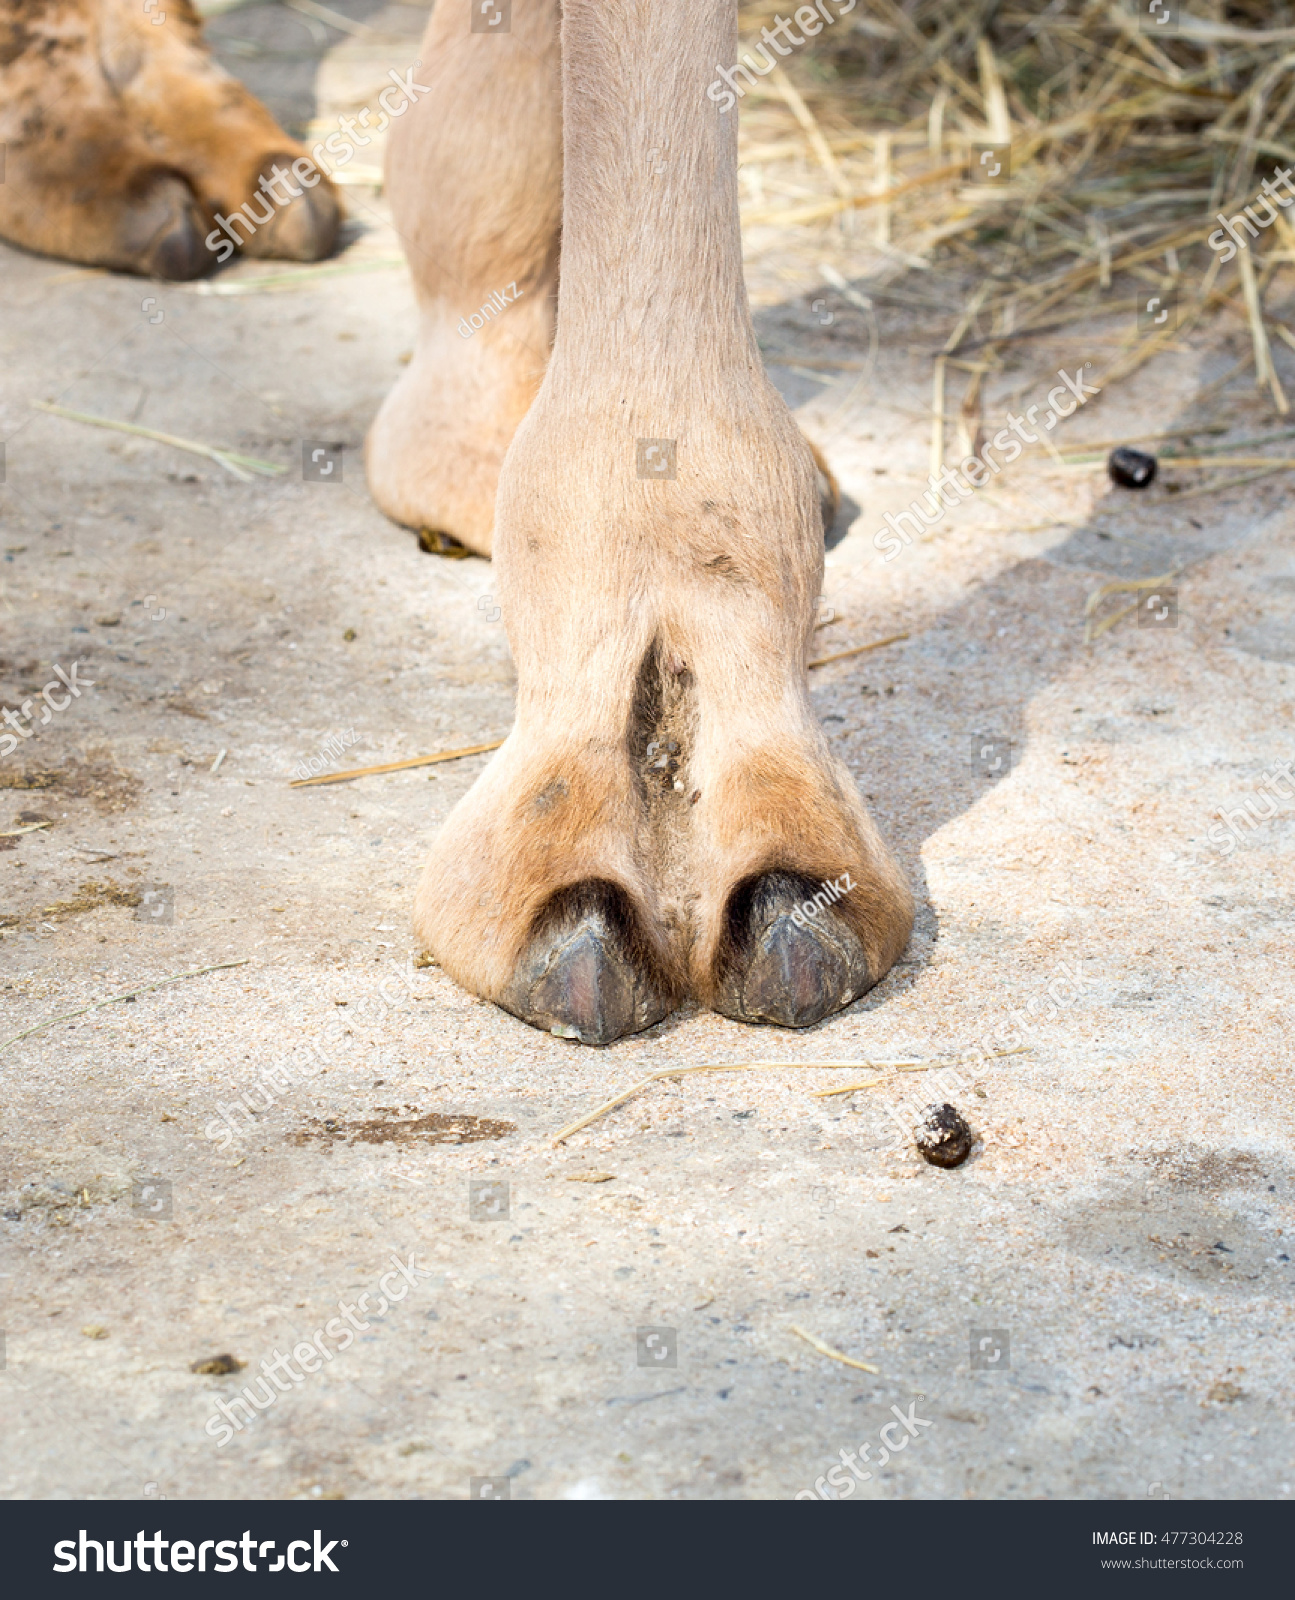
[[1131, 469], [943, 1138]]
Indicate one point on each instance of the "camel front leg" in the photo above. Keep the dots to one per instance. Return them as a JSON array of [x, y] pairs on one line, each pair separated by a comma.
[[474, 174], [667, 802]]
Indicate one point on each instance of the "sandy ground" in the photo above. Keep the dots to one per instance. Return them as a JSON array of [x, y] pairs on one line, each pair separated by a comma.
[[1098, 1303]]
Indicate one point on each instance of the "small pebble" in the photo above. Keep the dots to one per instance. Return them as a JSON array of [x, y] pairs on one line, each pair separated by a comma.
[[1131, 469], [943, 1138]]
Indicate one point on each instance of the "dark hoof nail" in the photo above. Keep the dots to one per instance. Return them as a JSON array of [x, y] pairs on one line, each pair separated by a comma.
[[829, 500], [436, 543], [774, 969], [584, 974], [179, 256], [305, 229], [829, 491], [171, 226]]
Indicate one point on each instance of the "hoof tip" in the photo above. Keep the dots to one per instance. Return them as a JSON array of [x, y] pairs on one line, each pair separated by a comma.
[[783, 971], [581, 976]]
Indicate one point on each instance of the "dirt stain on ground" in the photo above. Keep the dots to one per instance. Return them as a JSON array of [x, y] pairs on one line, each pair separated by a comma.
[[107, 786], [433, 1127], [1208, 1170], [31, 778], [90, 896], [1171, 1230]]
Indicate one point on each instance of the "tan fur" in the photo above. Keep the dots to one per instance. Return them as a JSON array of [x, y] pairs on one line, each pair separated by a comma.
[[124, 139], [639, 610], [611, 585], [475, 181]]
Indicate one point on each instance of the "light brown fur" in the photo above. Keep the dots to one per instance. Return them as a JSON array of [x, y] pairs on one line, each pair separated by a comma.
[[587, 881], [611, 585], [125, 139], [475, 181]]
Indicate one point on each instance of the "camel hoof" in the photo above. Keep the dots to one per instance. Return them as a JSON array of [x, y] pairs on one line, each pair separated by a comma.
[[829, 491], [165, 231], [776, 970], [584, 974], [303, 230]]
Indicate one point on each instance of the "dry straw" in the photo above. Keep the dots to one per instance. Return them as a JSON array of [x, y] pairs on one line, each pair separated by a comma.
[[782, 1066], [238, 465], [831, 1352], [393, 766], [115, 999], [1125, 141]]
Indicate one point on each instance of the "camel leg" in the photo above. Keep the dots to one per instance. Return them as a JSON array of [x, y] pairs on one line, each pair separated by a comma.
[[474, 173], [666, 801]]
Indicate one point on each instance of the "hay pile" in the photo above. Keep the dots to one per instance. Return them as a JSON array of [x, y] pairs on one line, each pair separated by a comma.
[[1124, 140]]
